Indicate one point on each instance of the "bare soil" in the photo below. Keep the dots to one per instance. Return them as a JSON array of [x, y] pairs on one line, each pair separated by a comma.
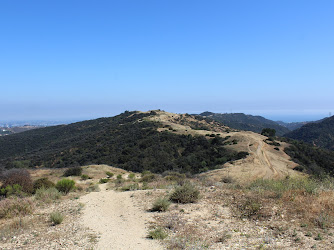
[[118, 221]]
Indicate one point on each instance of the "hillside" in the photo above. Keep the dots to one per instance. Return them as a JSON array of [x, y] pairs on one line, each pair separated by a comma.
[[130, 141], [246, 122], [319, 134]]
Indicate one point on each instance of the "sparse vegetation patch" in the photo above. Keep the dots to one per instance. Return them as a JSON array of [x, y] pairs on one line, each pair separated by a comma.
[[12, 207], [187, 193]]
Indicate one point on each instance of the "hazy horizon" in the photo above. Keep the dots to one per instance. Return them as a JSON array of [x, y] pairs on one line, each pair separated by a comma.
[[288, 118], [83, 59]]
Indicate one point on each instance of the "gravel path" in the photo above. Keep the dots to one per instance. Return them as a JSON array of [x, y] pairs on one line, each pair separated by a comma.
[[119, 222]]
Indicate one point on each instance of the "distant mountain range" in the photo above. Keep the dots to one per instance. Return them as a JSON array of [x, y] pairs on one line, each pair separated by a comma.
[[247, 122], [291, 125], [320, 133]]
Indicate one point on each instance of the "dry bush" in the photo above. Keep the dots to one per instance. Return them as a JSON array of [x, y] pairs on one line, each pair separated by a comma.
[[56, 218], [316, 209], [308, 200], [161, 204], [130, 187], [12, 207], [189, 237], [250, 207], [47, 195], [93, 188], [148, 177], [187, 193], [160, 183], [14, 228], [43, 183], [18, 176]]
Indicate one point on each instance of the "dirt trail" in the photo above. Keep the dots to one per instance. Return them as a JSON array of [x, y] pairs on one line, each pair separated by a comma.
[[119, 222], [263, 160]]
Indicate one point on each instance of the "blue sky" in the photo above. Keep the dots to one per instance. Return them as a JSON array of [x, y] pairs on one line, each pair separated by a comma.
[[85, 59]]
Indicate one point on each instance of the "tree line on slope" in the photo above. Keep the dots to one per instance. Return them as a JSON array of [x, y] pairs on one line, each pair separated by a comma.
[[311, 159]]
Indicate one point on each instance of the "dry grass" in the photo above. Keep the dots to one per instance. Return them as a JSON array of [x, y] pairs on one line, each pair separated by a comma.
[[47, 195], [14, 227], [286, 212], [13, 207]]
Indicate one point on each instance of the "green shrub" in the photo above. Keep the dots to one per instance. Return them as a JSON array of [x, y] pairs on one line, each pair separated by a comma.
[[157, 234], [145, 186], [65, 185], [56, 218], [43, 183], [119, 177], [268, 132], [131, 176], [161, 204], [12, 190], [130, 187], [102, 181], [148, 177], [12, 207], [109, 174], [145, 172], [186, 193], [76, 171], [47, 195], [84, 177]]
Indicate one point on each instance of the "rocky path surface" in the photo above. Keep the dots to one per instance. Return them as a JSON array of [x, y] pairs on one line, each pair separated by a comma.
[[120, 224]]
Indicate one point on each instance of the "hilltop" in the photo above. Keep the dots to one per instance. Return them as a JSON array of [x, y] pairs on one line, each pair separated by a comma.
[[157, 141], [133, 141]]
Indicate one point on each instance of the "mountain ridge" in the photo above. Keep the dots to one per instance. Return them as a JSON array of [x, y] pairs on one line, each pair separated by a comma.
[[320, 133], [246, 122]]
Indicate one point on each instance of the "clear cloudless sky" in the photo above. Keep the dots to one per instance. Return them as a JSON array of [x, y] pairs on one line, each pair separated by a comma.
[[78, 59]]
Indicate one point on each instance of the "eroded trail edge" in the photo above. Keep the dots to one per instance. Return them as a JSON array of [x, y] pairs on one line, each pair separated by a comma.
[[118, 221]]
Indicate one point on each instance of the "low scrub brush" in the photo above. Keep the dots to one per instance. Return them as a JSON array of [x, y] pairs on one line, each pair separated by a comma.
[[187, 193], [56, 218], [13, 207], [157, 234], [43, 183], [65, 185], [47, 195], [161, 205], [76, 171]]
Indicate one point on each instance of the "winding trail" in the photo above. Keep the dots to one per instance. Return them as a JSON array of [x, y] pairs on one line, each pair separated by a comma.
[[263, 161], [119, 222]]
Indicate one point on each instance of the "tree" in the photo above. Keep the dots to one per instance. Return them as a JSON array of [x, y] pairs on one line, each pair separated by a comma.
[[268, 132]]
